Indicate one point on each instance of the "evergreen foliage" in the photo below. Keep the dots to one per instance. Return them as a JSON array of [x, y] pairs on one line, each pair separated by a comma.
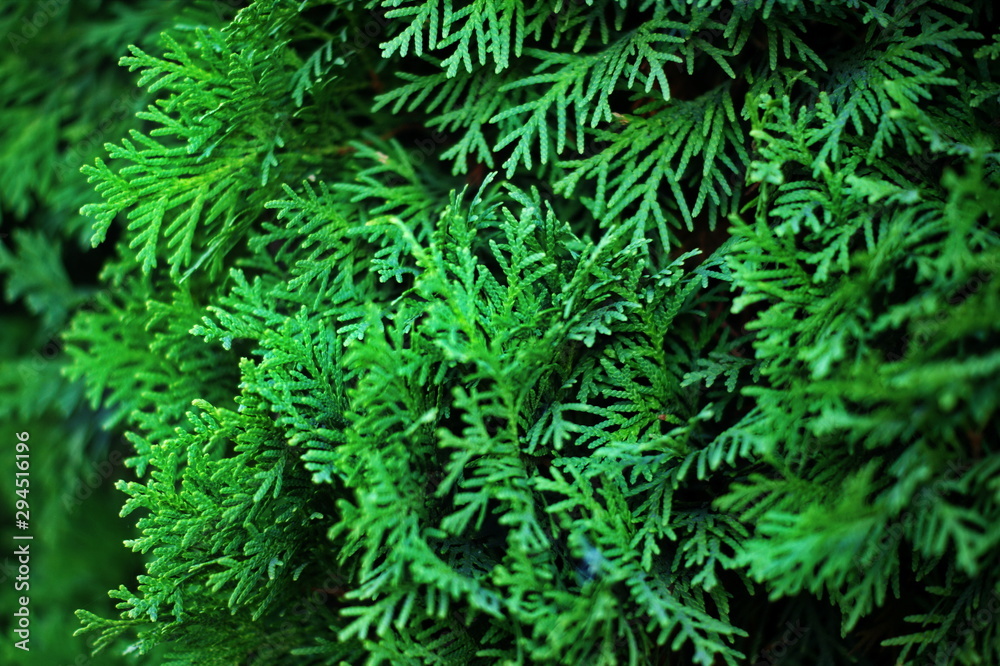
[[559, 332], [62, 96]]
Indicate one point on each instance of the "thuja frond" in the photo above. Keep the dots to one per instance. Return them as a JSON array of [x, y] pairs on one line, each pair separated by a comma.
[[566, 332]]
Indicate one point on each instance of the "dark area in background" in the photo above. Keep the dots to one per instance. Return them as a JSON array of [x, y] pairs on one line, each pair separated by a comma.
[[63, 95]]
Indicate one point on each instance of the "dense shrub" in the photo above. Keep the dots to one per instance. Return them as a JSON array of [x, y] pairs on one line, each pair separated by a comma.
[[558, 332]]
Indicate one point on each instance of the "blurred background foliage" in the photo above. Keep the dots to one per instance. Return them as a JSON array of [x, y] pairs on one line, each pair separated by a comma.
[[63, 95]]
